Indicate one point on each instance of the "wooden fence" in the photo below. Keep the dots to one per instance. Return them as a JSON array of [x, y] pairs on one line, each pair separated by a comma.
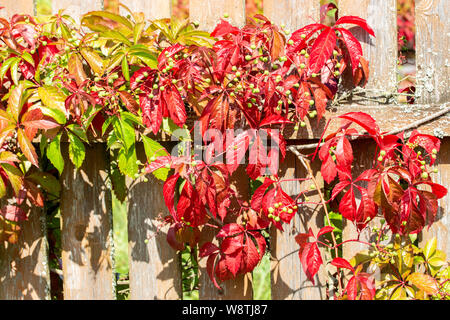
[[86, 208]]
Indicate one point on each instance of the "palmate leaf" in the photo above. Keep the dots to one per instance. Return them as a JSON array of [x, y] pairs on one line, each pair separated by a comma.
[[54, 99], [153, 150]]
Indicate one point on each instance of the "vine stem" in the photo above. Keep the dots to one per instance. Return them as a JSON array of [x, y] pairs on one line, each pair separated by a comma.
[[307, 166]]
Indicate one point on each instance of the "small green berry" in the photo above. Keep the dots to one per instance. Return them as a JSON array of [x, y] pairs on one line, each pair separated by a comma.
[[380, 158], [277, 219], [233, 68], [226, 15], [382, 153], [424, 175], [291, 42]]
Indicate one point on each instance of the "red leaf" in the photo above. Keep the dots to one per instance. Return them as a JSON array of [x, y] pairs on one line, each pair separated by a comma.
[[324, 230], [356, 20], [169, 194], [224, 28], [353, 46], [207, 249], [322, 49], [342, 263], [210, 267], [311, 260], [172, 238], [229, 230], [328, 169], [251, 255], [13, 213], [364, 120], [175, 105], [347, 206], [259, 194]]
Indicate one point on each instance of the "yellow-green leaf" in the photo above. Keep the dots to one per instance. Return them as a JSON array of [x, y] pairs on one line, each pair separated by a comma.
[[430, 248], [27, 147], [52, 97], [93, 59]]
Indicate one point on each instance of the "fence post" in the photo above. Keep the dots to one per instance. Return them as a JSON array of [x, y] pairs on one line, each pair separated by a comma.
[[241, 287], [380, 51], [209, 12], [432, 30], [24, 271], [76, 8], [155, 271], [153, 9], [294, 14], [287, 277], [12, 7], [86, 232]]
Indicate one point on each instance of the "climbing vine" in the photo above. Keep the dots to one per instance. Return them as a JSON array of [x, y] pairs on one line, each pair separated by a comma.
[[231, 93]]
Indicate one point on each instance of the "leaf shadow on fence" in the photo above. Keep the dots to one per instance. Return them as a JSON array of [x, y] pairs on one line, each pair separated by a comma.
[[16, 260], [86, 212]]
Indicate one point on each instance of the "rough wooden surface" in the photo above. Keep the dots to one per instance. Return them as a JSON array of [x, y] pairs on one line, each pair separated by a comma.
[[440, 228], [432, 50], [155, 271], [380, 51], [209, 12], [24, 271], [288, 280], [241, 287], [86, 228], [294, 14], [153, 9], [12, 7], [76, 8]]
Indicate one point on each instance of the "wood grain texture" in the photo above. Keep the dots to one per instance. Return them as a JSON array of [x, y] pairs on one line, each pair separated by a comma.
[[155, 271], [289, 282], [441, 227], [86, 228], [76, 8], [24, 270], [239, 288], [12, 7], [209, 12], [294, 14], [380, 51], [432, 50], [152, 9]]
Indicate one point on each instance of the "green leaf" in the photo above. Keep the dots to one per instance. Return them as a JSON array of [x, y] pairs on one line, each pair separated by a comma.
[[28, 58], [77, 151], [430, 248], [78, 131], [125, 68], [127, 161], [48, 182], [5, 66], [54, 153], [53, 98], [15, 101], [153, 148], [55, 114], [148, 57], [125, 132], [14, 70]]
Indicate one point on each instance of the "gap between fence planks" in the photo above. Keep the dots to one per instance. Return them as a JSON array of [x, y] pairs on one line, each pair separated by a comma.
[[154, 266], [208, 13], [86, 226], [432, 50]]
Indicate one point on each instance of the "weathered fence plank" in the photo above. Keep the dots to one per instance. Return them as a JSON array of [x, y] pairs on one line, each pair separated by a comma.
[[24, 270], [288, 280], [440, 228], [241, 287], [209, 12], [76, 8], [12, 7], [153, 9], [155, 271], [86, 232], [294, 14], [432, 51], [380, 51]]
